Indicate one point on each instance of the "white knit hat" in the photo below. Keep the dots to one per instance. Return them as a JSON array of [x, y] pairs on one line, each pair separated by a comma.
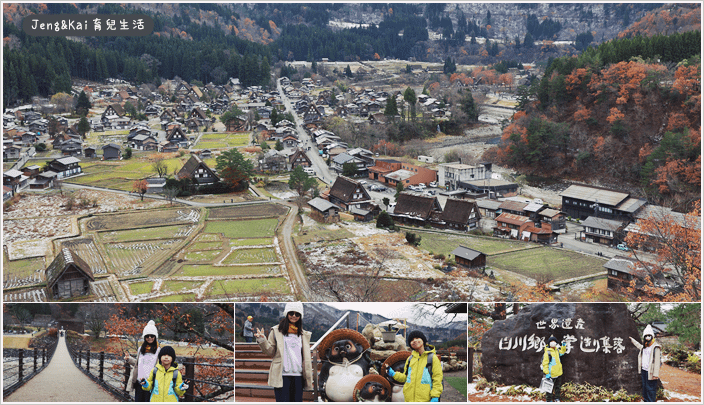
[[294, 307], [150, 329], [648, 331]]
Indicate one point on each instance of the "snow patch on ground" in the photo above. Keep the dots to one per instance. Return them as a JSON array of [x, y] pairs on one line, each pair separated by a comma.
[[683, 397], [28, 248]]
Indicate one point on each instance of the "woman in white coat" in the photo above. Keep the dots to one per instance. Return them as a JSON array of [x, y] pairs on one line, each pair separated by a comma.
[[147, 357], [289, 346]]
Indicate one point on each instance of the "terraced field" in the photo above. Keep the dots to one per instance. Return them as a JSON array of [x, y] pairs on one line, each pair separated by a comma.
[[222, 140], [256, 228], [189, 297], [209, 270], [250, 286], [22, 272], [162, 232], [202, 255], [248, 211], [142, 219], [259, 255], [142, 287], [127, 259], [86, 249], [176, 285]]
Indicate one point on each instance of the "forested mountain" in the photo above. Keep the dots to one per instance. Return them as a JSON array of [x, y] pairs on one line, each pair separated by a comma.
[[626, 112]]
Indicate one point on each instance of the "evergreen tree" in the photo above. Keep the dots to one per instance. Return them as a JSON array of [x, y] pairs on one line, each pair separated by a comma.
[[391, 109], [83, 126], [279, 146], [469, 107], [410, 96], [348, 71]]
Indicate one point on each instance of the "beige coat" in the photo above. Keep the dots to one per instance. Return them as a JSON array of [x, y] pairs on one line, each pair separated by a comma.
[[271, 347], [654, 371]]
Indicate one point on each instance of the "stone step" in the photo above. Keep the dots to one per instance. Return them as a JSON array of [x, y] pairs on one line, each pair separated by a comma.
[[258, 391]]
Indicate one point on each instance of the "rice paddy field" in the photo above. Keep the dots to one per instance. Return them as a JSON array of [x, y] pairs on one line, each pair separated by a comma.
[[256, 228], [547, 263], [223, 140], [191, 270]]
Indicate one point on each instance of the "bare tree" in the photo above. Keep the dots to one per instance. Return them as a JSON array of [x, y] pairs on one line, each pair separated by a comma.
[[332, 284], [160, 167], [170, 193]]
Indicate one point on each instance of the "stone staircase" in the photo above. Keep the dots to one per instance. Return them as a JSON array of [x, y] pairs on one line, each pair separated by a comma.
[[252, 374]]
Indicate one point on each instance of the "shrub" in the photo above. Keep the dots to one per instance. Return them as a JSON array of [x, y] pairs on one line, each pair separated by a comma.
[[694, 364]]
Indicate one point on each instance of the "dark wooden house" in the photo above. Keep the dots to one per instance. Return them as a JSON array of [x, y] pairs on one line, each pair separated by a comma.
[[417, 210], [469, 258], [324, 211], [68, 276], [348, 193], [196, 169], [461, 215]]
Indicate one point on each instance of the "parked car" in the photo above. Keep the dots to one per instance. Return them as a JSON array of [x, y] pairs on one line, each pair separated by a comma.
[[622, 246], [421, 186], [362, 182], [433, 184]]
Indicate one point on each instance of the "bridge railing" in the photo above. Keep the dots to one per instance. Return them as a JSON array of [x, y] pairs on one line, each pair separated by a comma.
[[207, 381], [20, 365]]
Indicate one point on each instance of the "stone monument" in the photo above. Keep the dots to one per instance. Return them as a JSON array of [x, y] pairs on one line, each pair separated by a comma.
[[599, 350]]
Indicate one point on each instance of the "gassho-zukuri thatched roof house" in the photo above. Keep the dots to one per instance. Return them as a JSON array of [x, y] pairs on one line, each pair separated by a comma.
[[68, 276]]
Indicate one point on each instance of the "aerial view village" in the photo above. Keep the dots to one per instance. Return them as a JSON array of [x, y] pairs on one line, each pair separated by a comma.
[[444, 153]]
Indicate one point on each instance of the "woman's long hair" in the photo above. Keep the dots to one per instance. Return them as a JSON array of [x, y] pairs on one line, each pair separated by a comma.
[[146, 348], [284, 324]]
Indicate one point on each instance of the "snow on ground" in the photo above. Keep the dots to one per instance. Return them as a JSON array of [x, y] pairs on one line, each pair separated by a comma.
[[30, 248], [682, 397]]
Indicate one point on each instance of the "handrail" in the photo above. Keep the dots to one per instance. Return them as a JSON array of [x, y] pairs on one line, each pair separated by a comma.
[[346, 315]]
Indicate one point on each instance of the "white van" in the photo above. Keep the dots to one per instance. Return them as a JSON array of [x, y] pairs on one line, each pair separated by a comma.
[[309, 171]]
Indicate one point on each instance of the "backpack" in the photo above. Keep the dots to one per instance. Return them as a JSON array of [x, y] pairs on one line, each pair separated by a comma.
[[173, 379], [429, 366]]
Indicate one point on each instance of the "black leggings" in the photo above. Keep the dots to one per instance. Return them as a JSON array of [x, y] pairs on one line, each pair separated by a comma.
[[555, 395], [292, 391]]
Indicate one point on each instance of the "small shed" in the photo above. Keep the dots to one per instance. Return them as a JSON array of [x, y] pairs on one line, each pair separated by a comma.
[[469, 258], [111, 151], [324, 211], [68, 276], [361, 215]]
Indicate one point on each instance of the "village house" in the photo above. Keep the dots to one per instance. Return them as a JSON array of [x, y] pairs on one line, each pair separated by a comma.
[[556, 218], [299, 158], [584, 201], [513, 207], [90, 152], [658, 214], [144, 142], [68, 275], [177, 137], [43, 181], [14, 179], [512, 226], [392, 172], [65, 167], [603, 231], [488, 208], [196, 169], [338, 163], [31, 171], [417, 210], [347, 193], [324, 211], [273, 161], [469, 258], [460, 215], [6, 193], [622, 271]]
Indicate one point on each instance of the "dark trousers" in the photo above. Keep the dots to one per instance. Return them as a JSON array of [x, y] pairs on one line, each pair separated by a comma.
[[555, 394], [292, 391], [141, 395], [248, 339], [650, 387]]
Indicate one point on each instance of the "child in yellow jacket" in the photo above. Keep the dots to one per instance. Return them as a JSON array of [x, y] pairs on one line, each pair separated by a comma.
[[421, 384], [552, 367], [163, 386]]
